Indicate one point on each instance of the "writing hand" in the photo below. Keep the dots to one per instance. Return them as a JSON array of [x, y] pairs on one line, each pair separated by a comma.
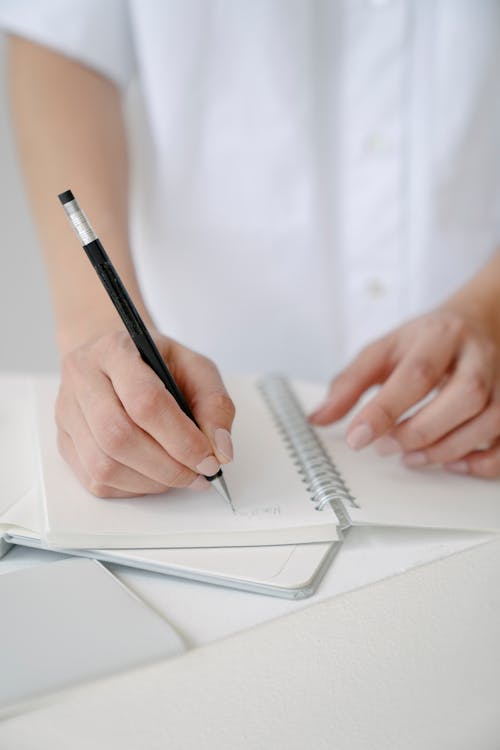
[[122, 432]]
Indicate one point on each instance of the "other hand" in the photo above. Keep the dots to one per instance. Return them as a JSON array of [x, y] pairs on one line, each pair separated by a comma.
[[446, 356]]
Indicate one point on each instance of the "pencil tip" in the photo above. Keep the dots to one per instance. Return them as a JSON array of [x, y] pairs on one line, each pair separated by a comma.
[[220, 485]]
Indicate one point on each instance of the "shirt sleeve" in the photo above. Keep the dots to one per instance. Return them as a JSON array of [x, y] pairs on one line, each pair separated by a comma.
[[96, 33]]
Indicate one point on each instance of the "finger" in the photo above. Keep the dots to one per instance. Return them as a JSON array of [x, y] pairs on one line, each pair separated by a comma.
[[117, 437], [70, 455], [479, 431], [484, 464], [419, 371], [371, 367], [464, 396], [203, 387], [150, 406], [103, 469]]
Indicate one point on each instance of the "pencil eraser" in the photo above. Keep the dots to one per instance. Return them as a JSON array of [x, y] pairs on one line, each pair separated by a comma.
[[66, 197]]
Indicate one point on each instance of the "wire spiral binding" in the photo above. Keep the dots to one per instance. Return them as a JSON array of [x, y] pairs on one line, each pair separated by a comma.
[[319, 473]]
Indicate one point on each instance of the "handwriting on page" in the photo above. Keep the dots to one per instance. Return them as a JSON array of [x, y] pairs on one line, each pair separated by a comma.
[[265, 510]]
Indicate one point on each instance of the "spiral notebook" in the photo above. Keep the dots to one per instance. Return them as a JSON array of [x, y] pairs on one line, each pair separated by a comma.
[[286, 571], [290, 483]]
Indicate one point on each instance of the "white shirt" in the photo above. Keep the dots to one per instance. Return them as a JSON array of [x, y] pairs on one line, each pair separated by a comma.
[[307, 175]]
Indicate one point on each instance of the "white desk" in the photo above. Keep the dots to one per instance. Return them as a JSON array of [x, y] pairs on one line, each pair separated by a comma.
[[408, 663], [203, 614]]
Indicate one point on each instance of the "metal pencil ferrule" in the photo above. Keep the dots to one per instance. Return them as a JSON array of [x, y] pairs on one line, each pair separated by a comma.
[[79, 222]]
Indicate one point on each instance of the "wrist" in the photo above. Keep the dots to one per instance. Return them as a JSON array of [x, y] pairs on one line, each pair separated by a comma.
[[74, 334], [80, 330]]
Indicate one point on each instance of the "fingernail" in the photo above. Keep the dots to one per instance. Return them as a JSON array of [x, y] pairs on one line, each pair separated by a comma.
[[208, 467], [414, 459], [223, 443], [459, 467], [359, 436], [387, 446], [200, 483]]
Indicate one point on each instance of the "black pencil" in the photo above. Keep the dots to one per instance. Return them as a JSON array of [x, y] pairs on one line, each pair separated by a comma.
[[129, 314]]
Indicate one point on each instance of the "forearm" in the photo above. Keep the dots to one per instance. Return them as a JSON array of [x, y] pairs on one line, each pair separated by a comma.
[[70, 132], [480, 297]]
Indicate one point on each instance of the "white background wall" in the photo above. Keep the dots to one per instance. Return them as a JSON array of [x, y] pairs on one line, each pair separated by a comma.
[[27, 342]]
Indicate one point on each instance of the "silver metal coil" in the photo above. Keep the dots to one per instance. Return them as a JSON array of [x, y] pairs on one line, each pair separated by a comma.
[[318, 471]]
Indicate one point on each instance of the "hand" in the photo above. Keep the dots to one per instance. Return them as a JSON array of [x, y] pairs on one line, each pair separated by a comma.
[[122, 432], [445, 355]]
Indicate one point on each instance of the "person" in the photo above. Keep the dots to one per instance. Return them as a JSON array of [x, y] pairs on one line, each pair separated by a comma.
[[291, 180]]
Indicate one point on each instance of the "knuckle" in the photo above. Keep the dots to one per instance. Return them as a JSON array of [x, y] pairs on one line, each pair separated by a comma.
[[417, 435], [146, 405], [103, 469], [383, 414], [106, 348], [223, 403], [476, 391], [422, 372], [113, 436], [98, 489]]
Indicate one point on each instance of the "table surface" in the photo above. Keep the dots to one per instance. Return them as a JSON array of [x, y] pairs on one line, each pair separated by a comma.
[[407, 662], [205, 613]]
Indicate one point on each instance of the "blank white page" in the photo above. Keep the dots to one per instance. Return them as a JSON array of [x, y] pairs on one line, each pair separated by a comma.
[[70, 621]]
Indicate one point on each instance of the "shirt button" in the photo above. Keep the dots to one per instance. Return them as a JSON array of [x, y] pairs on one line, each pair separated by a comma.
[[375, 288]]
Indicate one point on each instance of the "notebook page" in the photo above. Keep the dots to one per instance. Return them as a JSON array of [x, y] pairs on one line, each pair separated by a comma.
[[272, 504]]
